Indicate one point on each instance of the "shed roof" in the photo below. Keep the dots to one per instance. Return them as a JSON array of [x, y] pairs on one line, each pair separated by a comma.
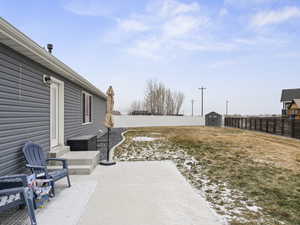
[[213, 112], [290, 94], [15, 39]]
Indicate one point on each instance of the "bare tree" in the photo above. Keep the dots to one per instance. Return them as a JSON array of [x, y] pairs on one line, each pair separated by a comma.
[[136, 106], [178, 98], [160, 96], [159, 100], [149, 99], [170, 104]]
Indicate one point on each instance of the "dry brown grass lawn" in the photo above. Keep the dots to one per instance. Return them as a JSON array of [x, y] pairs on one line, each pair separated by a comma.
[[282, 151], [266, 168]]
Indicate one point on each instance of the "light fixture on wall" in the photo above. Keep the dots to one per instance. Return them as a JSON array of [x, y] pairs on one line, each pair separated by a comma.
[[46, 79]]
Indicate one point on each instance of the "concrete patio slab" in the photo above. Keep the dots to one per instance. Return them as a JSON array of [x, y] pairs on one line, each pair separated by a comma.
[[68, 204], [144, 193]]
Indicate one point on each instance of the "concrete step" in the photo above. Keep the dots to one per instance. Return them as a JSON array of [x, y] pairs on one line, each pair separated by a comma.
[[80, 163], [58, 151], [82, 157], [76, 169]]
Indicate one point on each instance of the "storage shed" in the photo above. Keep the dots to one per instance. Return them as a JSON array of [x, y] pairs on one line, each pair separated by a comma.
[[213, 119]]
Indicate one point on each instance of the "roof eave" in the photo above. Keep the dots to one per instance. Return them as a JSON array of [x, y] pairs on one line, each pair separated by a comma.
[[15, 39]]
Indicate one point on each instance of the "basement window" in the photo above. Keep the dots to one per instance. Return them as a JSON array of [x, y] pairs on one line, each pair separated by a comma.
[[87, 102]]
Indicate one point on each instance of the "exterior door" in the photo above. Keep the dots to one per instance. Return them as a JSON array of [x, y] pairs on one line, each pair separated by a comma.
[[54, 114]]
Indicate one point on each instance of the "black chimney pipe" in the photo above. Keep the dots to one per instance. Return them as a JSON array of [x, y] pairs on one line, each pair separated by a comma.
[[50, 47]]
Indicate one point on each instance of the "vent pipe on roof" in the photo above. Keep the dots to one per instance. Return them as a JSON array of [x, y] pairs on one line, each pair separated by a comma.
[[50, 48]]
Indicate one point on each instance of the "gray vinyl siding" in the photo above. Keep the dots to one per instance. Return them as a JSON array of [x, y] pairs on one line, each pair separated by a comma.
[[73, 112], [25, 109]]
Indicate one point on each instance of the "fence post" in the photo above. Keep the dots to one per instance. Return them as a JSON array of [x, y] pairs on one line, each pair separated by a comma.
[[260, 125], [255, 124], [267, 125], [274, 125], [282, 127], [293, 127]]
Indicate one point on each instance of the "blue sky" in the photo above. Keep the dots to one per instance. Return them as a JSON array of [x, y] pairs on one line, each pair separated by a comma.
[[245, 51]]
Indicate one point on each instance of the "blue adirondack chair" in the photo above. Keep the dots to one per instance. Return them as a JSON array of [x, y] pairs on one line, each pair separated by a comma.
[[37, 163], [14, 192]]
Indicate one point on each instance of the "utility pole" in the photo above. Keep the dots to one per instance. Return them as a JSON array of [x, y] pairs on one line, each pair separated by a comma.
[[202, 89], [227, 103], [193, 107]]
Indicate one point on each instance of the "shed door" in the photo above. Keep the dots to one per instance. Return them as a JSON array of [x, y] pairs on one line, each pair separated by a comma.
[[54, 114]]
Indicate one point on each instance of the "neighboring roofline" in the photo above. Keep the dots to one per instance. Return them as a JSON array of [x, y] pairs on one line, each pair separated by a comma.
[[15, 39], [282, 99]]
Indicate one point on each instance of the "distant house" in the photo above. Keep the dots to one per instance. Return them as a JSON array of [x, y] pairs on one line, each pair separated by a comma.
[[41, 99], [291, 103]]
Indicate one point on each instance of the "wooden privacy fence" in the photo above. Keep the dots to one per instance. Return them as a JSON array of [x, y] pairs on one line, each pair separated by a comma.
[[275, 125]]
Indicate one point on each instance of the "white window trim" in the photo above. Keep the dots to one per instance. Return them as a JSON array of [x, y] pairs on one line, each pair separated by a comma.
[[61, 112], [92, 107]]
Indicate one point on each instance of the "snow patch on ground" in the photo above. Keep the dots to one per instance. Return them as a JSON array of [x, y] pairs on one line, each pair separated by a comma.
[[229, 203], [144, 139]]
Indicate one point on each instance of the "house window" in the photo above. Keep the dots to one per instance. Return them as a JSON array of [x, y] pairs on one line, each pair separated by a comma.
[[86, 107]]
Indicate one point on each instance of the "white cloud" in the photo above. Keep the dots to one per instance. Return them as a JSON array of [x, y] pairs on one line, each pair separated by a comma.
[[223, 12], [147, 48], [289, 55], [170, 28], [183, 25], [206, 46], [87, 8], [164, 28], [261, 41], [246, 3], [167, 8], [275, 16], [132, 25], [222, 64]]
